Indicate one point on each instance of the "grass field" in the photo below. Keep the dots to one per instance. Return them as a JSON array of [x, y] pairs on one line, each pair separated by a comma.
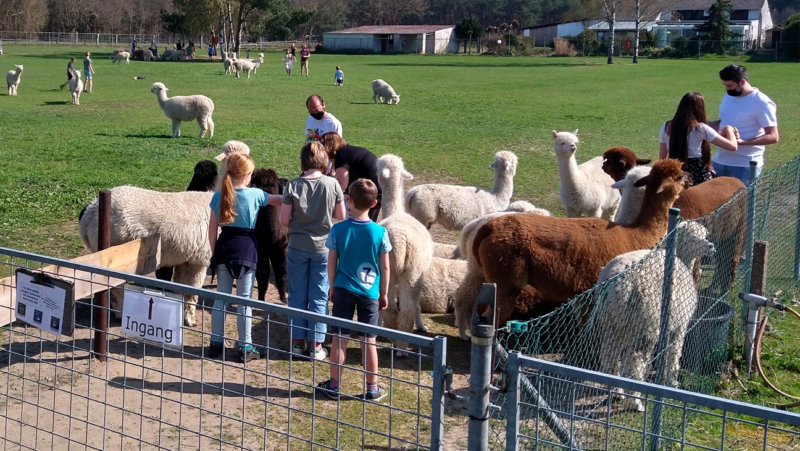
[[455, 112]]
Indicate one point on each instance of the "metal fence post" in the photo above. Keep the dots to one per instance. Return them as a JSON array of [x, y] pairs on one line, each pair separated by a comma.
[[512, 401], [666, 295], [482, 330], [101, 298], [758, 285], [439, 380]]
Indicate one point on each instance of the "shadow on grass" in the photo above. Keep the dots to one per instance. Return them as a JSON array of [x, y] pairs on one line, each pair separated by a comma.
[[51, 102]]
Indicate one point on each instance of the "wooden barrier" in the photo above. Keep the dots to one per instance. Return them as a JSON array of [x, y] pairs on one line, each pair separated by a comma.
[[137, 257]]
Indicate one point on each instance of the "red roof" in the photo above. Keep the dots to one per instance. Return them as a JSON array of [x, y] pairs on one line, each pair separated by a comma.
[[392, 29]]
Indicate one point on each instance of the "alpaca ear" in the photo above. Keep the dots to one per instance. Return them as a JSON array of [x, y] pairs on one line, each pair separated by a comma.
[[619, 184], [642, 162], [555, 133], [575, 132], [407, 175], [386, 173], [642, 181], [493, 165]]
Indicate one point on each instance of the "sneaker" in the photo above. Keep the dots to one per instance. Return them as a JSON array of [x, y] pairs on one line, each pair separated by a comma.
[[299, 349], [318, 353], [374, 395], [330, 392], [248, 354], [215, 350]]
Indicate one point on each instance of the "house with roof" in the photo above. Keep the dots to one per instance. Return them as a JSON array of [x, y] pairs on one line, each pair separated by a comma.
[[669, 20], [393, 39]]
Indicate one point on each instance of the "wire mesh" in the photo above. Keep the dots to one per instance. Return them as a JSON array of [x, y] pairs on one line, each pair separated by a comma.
[[57, 394], [615, 326]]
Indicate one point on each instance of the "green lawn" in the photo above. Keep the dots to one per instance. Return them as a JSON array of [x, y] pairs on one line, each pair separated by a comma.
[[455, 112]]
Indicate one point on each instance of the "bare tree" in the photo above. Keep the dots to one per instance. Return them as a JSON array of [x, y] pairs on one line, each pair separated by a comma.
[[609, 8]]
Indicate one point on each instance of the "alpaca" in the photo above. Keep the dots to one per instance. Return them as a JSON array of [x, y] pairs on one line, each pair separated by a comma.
[[585, 190], [181, 219], [244, 66], [12, 78], [185, 108], [625, 346], [617, 161], [119, 57], [272, 240], [383, 92], [229, 148], [76, 87], [561, 257], [453, 206], [412, 246]]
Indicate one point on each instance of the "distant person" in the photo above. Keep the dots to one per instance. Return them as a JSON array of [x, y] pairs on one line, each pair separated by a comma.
[[320, 121], [70, 72], [294, 51], [755, 117], [88, 72], [288, 61], [338, 77], [210, 52], [305, 54], [687, 136], [154, 48], [133, 47], [358, 271]]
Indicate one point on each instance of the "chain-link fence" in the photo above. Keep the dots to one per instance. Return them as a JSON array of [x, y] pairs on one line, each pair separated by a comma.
[[671, 418], [155, 384], [699, 269]]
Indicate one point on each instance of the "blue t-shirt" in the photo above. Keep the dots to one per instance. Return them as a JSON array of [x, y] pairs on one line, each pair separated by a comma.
[[246, 205], [339, 75], [359, 244]]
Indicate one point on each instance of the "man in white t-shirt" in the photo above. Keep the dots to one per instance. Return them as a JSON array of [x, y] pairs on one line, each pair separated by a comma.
[[755, 117], [320, 121]]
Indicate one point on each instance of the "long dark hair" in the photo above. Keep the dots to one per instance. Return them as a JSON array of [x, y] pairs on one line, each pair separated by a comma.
[[691, 112]]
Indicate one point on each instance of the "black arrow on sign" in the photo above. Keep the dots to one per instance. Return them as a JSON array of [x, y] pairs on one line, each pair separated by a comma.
[[150, 312]]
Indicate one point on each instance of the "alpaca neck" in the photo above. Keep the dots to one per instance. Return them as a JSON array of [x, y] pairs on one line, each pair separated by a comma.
[[655, 210], [568, 170], [503, 184], [162, 97], [392, 199]]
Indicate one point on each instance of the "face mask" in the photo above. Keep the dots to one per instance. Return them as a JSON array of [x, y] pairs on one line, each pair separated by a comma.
[[319, 115], [734, 92]]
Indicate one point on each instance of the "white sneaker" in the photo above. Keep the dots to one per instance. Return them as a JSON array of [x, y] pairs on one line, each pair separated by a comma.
[[318, 354]]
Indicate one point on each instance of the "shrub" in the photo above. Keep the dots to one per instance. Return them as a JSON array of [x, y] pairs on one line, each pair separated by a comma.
[[562, 47], [791, 36]]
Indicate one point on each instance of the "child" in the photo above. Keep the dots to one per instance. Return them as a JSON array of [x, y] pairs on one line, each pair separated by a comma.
[[288, 61], [210, 52], [358, 268], [338, 77], [234, 257], [310, 203]]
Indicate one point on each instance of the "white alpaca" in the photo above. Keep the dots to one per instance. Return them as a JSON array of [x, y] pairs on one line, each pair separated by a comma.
[[439, 284], [631, 201], [181, 219], [227, 61], [76, 87], [383, 92], [12, 78], [630, 317], [453, 206], [119, 57], [585, 189], [412, 246], [229, 148], [185, 108], [243, 66], [257, 62]]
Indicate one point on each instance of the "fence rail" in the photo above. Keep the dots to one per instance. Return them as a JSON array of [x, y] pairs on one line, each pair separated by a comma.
[[690, 419], [56, 394]]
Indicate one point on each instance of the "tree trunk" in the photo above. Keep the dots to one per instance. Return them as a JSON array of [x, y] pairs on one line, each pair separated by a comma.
[[636, 35], [611, 26]]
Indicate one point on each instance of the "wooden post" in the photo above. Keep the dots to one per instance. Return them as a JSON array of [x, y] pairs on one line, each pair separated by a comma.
[[758, 285], [101, 298]]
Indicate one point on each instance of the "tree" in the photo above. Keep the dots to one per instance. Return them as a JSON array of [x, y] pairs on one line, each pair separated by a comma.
[[716, 29], [467, 29], [609, 8], [791, 36]]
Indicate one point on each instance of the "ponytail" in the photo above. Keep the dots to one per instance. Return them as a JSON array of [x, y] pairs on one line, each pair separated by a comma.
[[239, 165]]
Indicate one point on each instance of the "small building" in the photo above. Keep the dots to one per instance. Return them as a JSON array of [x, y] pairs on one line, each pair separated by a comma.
[[393, 39]]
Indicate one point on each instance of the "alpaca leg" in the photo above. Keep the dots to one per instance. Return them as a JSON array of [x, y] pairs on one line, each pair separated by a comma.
[[465, 300], [176, 128], [210, 123], [192, 275], [203, 126], [278, 260], [637, 364], [262, 278]]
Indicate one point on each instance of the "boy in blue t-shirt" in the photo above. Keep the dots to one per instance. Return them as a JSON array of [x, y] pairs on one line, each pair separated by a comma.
[[358, 270], [338, 77]]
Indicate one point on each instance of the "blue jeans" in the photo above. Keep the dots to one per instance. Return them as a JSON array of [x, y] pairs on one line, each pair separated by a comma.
[[244, 314], [308, 290], [740, 172]]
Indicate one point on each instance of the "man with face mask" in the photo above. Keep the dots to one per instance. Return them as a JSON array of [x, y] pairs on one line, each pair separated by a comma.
[[754, 116], [320, 121]]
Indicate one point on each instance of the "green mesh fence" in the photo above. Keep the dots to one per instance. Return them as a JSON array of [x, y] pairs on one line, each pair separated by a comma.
[[615, 326]]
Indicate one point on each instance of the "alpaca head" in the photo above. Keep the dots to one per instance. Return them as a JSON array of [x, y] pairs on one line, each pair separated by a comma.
[[231, 147], [267, 180], [692, 241], [666, 176], [617, 161], [77, 74], [18, 67], [158, 87], [566, 143], [205, 176], [391, 171], [505, 162]]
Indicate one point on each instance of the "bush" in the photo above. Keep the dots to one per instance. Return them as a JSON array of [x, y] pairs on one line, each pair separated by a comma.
[[562, 47], [586, 42], [791, 36]]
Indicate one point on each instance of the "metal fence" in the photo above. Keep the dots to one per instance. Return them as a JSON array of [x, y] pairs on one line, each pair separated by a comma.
[[537, 416], [58, 391], [665, 319]]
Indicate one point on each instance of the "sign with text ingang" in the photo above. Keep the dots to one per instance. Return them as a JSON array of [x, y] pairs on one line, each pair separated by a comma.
[[152, 317]]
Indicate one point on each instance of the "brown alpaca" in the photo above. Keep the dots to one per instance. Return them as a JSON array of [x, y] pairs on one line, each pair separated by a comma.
[[561, 257], [617, 161]]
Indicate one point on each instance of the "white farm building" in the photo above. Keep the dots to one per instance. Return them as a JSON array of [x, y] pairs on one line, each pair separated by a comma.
[[393, 39]]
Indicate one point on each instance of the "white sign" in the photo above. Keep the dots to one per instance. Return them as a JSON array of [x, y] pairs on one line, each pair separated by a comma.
[[41, 302], [148, 316]]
